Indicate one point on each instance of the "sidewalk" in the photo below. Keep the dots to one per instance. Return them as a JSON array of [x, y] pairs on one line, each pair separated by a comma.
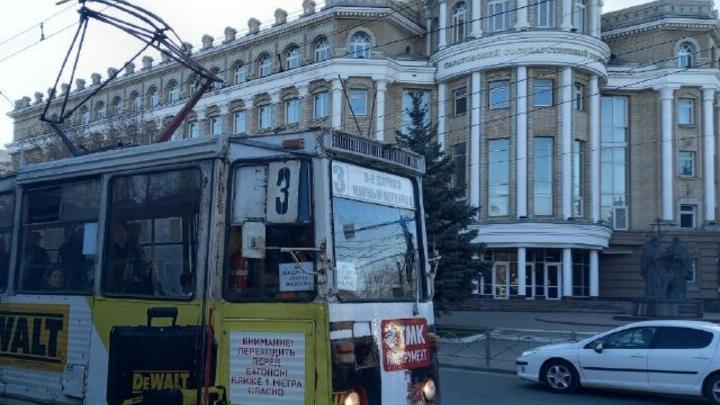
[[547, 321]]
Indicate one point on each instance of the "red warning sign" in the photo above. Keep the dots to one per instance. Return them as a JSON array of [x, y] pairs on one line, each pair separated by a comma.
[[406, 344]]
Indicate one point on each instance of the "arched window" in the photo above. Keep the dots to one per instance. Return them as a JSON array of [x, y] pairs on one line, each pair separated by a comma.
[[359, 46], [134, 101], [99, 111], [173, 92], [459, 22], [686, 55], [239, 75], [322, 50], [216, 85], [84, 117], [265, 66], [293, 58], [115, 106], [153, 98]]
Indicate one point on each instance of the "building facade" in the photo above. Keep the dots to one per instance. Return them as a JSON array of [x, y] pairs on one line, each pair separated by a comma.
[[576, 135]]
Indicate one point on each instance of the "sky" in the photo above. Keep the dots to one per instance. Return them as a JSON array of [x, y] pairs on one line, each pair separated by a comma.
[[28, 64]]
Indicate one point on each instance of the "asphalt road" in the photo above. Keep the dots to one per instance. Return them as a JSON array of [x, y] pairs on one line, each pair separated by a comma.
[[470, 387]]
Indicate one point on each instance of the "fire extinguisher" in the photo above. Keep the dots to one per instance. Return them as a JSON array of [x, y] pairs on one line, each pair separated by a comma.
[[238, 272]]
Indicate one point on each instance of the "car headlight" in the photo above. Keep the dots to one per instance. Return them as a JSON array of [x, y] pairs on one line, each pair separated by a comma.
[[528, 353], [429, 389]]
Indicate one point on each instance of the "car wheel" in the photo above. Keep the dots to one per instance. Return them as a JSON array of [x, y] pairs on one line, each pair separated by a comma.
[[560, 376], [712, 388]]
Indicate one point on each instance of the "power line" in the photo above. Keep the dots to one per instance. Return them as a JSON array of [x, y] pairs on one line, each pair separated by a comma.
[[36, 25]]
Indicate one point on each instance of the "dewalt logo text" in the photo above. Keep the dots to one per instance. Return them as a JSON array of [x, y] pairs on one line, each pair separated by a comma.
[[34, 336]]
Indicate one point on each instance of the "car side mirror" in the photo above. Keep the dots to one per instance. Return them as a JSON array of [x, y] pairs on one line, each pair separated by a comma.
[[599, 348]]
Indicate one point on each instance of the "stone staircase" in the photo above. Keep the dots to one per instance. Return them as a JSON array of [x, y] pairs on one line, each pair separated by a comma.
[[567, 305]]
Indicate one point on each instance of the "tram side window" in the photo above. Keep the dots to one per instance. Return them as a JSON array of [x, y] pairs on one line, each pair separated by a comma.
[[271, 216], [59, 238], [7, 206], [151, 245]]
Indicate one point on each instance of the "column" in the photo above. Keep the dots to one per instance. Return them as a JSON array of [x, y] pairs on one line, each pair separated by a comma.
[[522, 15], [522, 268], [567, 276], [594, 149], [442, 38], [428, 33], [521, 163], [442, 95], [567, 14], [475, 140], [594, 274], [709, 156], [476, 27], [666, 100], [337, 94], [381, 87], [595, 10], [566, 111]]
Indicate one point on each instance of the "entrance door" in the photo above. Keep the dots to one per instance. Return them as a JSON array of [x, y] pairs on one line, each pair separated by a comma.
[[501, 280], [553, 278]]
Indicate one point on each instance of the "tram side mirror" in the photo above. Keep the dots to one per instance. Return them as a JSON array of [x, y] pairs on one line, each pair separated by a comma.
[[599, 348], [253, 240]]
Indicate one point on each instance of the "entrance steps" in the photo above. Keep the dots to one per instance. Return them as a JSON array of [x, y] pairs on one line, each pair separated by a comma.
[[540, 305]]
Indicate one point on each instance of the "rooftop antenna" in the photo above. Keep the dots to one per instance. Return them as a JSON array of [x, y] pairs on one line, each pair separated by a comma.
[[142, 25]]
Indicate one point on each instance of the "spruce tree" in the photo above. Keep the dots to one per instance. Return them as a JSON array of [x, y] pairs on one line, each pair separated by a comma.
[[447, 217]]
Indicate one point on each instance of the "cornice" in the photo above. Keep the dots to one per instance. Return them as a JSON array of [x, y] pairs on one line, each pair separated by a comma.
[[663, 24]]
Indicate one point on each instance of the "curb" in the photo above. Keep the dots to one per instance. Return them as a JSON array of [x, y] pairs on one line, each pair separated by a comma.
[[483, 369]]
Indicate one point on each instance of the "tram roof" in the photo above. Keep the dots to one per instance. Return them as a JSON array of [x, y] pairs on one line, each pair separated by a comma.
[[306, 143]]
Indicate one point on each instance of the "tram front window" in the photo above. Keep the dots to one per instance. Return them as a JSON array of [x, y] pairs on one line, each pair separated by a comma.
[[375, 234], [59, 238], [152, 234]]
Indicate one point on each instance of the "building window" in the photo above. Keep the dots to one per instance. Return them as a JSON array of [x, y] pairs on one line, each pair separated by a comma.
[[423, 99], [215, 125], [545, 14], [193, 129], [292, 111], [153, 97], [580, 16], [499, 94], [543, 93], [686, 163], [115, 106], [686, 55], [293, 58], [358, 101], [579, 97], [216, 85], [460, 101], [265, 66], [265, 116], [498, 177], [239, 120], [459, 22], [240, 74], [84, 116], [173, 92], [688, 214], [499, 15], [359, 46], [613, 161], [693, 272], [581, 273], [458, 156], [99, 110], [543, 175], [322, 50], [578, 177], [321, 103], [686, 111]]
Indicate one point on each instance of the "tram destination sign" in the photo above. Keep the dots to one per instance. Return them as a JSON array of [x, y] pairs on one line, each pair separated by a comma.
[[406, 344], [371, 186], [267, 368]]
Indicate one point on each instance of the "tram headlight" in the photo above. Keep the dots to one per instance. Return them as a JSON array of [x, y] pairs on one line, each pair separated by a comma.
[[351, 398], [429, 389]]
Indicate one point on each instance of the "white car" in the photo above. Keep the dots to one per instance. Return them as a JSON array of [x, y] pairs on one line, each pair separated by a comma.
[[673, 357]]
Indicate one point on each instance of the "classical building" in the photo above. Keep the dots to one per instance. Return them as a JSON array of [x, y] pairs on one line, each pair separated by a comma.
[[576, 135]]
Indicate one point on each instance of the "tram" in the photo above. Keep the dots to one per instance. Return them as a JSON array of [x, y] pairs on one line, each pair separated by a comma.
[[279, 269]]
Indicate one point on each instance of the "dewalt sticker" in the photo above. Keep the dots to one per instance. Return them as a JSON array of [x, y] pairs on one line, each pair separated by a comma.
[[144, 380], [34, 336]]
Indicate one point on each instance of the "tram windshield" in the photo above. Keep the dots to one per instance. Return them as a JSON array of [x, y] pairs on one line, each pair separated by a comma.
[[375, 234]]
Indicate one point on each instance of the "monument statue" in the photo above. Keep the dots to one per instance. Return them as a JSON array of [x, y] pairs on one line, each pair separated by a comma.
[[679, 266], [652, 269]]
